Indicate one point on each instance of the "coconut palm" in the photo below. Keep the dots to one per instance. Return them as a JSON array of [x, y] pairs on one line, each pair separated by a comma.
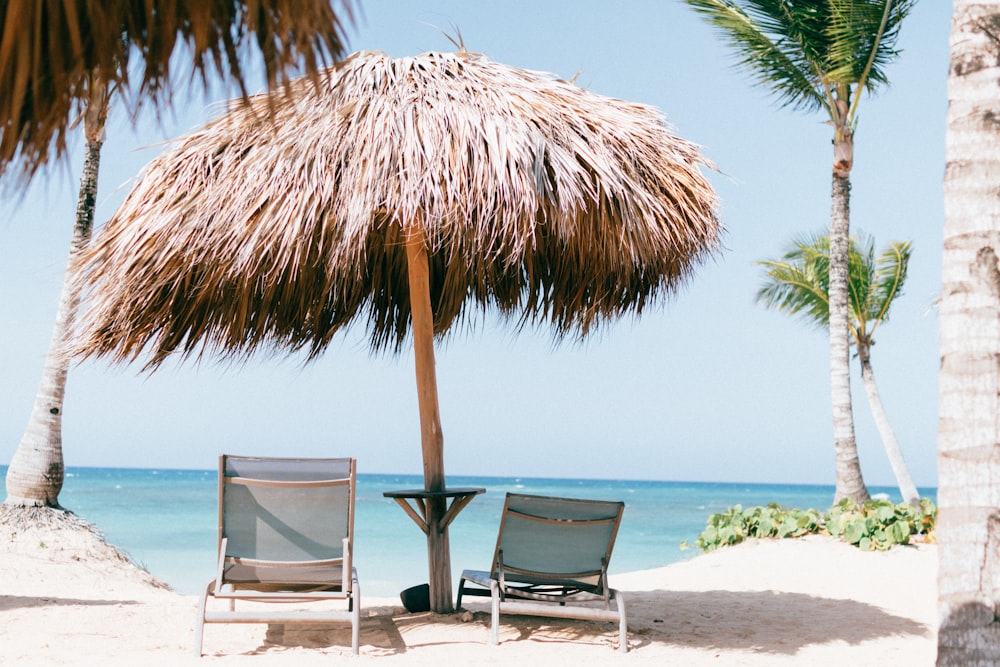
[[35, 474], [45, 53], [968, 526], [404, 195], [821, 55], [50, 50], [799, 283]]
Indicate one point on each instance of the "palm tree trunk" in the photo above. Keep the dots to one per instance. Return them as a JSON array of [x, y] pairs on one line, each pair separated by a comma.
[[968, 526], [36, 471], [893, 451], [850, 483]]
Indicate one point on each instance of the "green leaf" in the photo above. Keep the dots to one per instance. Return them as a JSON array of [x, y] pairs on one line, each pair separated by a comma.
[[880, 539], [885, 512], [900, 533], [855, 530], [788, 526]]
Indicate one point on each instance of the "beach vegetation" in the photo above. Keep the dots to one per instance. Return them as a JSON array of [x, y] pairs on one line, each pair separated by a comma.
[[879, 525], [821, 56], [875, 525], [798, 284]]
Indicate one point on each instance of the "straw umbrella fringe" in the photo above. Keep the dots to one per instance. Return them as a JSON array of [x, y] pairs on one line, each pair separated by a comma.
[[535, 197], [409, 192]]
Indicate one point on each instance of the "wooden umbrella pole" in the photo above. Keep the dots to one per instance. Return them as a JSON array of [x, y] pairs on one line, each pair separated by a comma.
[[431, 437]]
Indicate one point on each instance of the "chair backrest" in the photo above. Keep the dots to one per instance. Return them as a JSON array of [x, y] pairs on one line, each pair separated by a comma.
[[286, 511], [559, 538]]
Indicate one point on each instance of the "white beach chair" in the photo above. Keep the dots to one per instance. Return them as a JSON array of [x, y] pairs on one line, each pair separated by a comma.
[[551, 559], [286, 534]]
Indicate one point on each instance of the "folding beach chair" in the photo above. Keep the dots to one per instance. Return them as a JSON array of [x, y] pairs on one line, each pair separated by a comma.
[[551, 559], [286, 534]]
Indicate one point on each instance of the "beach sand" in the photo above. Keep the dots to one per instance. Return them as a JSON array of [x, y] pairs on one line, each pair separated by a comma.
[[66, 599]]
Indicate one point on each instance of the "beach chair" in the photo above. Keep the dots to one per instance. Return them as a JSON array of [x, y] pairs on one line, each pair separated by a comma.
[[286, 534], [551, 559]]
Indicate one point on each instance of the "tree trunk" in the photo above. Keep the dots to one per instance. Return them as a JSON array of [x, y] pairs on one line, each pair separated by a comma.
[[968, 526], [907, 488], [850, 483], [35, 475]]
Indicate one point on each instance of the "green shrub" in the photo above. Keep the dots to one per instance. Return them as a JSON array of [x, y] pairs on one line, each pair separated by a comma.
[[876, 525], [879, 525], [777, 521], [736, 524]]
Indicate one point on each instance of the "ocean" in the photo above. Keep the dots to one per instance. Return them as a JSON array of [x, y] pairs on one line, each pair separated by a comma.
[[166, 519]]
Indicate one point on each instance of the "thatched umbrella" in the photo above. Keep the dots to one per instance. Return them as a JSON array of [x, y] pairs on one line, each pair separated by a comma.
[[409, 193]]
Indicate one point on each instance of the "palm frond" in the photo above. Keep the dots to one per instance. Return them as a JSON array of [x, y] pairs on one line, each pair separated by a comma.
[[890, 274], [48, 48], [863, 36], [803, 50], [776, 47], [800, 283], [860, 277], [800, 26]]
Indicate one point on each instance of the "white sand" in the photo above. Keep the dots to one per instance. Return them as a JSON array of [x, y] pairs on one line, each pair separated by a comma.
[[812, 601]]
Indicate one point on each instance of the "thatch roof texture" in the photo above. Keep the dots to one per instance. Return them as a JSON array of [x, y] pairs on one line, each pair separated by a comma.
[[49, 49], [535, 197]]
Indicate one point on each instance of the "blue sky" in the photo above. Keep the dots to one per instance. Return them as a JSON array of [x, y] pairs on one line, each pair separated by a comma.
[[709, 386]]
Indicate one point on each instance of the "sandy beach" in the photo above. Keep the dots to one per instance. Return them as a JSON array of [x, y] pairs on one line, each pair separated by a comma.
[[65, 599]]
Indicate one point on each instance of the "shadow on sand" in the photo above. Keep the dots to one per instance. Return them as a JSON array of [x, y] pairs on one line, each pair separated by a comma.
[[11, 602], [758, 621]]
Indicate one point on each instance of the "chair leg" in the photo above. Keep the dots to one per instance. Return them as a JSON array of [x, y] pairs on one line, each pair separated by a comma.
[[199, 629], [495, 613], [622, 624], [461, 589], [355, 614]]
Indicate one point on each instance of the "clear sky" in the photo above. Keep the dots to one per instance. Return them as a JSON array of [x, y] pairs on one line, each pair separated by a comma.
[[708, 387]]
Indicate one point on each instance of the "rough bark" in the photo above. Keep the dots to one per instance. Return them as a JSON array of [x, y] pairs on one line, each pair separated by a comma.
[[36, 471], [907, 489], [849, 483], [969, 410]]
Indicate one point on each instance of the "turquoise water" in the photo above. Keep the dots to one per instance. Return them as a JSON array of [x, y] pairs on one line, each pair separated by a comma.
[[166, 519]]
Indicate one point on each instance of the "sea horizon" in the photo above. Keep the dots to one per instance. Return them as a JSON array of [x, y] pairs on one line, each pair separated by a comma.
[[450, 475], [166, 518]]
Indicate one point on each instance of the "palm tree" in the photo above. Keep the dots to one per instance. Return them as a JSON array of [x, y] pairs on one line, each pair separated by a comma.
[[821, 55], [968, 527], [35, 475], [799, 285], [41, 88]]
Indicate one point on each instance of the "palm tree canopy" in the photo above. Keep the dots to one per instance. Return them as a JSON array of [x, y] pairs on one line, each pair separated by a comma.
[[810, 52], [534, 197], [49, 48], [798, 284]]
